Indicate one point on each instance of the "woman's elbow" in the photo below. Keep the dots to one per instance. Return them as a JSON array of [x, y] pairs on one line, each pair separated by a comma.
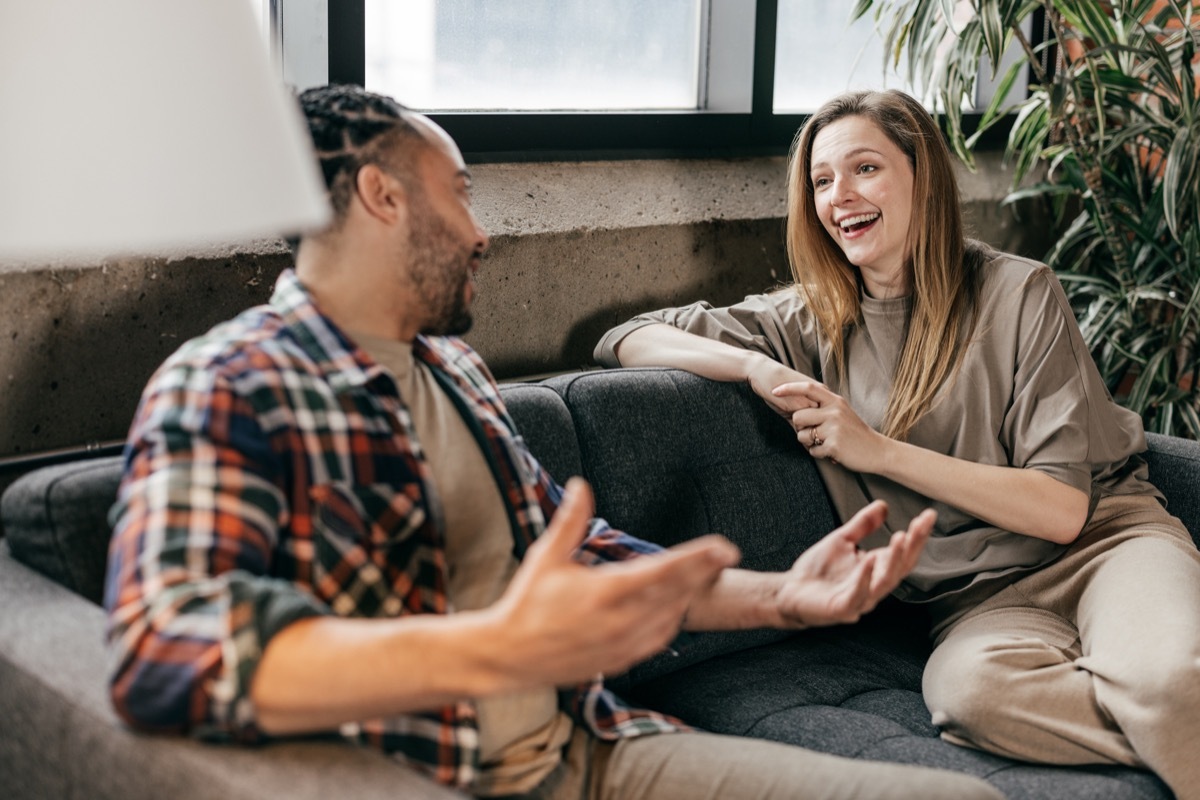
[[1072, 516]]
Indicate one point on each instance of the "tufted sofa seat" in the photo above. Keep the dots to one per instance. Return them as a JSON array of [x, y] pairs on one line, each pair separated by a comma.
[[671, 456]]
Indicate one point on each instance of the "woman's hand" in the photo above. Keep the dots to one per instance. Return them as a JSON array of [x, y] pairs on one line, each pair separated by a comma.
[[829, 428]]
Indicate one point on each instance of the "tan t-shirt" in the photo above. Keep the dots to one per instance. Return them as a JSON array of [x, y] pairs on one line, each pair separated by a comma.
[[521, 735], [1028, 395]]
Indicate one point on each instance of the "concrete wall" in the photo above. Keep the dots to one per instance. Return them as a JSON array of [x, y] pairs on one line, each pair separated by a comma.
[[576, 248]]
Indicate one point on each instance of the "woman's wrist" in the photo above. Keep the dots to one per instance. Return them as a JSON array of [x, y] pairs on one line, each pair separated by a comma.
[[752, 362], [886, 457]]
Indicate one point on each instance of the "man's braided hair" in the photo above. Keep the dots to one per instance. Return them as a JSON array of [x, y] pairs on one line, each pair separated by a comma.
[[350, 128]]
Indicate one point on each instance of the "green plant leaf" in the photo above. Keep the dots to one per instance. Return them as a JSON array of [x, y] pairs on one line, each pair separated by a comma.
[[1179, 176], [1158, 60], [860, 9], [948, 11], [1189, 419], [996, 108], [993, 24], [1182, 16], [1090, 19], [1038, 190], [1118, 81], [1187, 75]]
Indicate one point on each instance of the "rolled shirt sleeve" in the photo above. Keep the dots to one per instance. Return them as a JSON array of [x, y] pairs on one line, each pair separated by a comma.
[[190, 601]]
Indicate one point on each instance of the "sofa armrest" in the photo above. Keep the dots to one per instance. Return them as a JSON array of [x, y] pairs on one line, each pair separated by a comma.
[[1175, 470], [61, 738]]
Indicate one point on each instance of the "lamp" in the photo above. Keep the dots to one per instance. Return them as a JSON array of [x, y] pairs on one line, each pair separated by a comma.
[[144, 126]]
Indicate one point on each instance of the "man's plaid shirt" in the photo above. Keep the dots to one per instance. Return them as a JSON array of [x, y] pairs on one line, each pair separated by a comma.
[[272, 473]]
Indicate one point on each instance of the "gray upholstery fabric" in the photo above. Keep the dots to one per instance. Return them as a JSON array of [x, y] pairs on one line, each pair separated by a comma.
[[60, 738], [1175, 468], [671, 456], [856, 692], [545, 423], [55, 520]]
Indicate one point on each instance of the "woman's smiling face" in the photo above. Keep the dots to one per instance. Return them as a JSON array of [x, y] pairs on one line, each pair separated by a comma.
[[863, 195]]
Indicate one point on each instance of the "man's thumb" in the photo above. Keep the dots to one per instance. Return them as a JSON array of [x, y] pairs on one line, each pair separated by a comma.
[[569, 524]]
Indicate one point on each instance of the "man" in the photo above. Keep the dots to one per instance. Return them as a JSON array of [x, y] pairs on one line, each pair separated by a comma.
[[328, 523]]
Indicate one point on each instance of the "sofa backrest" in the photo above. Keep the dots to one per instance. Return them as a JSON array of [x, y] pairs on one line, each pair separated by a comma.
[[671, 456], [55, 519]]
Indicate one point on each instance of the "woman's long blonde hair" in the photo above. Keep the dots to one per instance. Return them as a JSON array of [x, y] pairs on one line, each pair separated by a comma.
[[943, 275]]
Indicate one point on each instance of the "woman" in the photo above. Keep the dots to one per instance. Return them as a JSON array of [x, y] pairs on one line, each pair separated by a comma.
[[924, 369]]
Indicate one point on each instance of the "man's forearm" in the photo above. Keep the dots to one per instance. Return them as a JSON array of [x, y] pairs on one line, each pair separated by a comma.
[[739, 600], [320, 672]]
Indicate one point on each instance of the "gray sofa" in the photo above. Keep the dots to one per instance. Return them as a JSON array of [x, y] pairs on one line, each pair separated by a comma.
[[670, 456]]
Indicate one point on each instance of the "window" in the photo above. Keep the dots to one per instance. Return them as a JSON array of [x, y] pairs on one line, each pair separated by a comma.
[[540, 79], [541, 55], [848, 57]]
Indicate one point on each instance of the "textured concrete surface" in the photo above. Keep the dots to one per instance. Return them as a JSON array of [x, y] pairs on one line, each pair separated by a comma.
[[576, 249], [79, 343]]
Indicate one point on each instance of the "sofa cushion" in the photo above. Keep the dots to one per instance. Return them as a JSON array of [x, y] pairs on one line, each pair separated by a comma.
[[856, 691], [55, 521]]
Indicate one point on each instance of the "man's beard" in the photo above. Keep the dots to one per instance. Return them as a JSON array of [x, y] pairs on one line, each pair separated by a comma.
[[441, 269]]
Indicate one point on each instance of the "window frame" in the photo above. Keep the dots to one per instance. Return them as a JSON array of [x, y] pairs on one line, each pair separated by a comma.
[[490, 136]]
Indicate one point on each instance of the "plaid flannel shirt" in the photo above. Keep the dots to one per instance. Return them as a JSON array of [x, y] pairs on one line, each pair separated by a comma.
[[273, 473]]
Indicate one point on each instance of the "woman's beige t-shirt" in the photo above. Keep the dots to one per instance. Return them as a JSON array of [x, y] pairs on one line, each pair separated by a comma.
[[1027, 395]]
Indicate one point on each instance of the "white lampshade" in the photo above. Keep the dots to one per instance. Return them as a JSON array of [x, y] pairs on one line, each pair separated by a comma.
[[144, 126]]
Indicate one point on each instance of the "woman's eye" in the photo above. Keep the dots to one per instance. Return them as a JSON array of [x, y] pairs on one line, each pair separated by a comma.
[[819, 182], [867, 168]]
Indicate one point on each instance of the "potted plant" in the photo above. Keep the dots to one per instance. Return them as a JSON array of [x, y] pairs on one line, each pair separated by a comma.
[[1112, 125]]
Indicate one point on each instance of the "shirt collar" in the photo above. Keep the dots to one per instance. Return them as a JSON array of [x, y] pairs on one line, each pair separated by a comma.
[[343, 364]]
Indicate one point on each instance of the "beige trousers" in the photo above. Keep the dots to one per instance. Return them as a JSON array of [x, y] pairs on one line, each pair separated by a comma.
[[704, 766], [1094, 659]]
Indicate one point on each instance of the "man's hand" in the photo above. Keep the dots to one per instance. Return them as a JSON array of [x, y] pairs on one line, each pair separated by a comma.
[[560, 622], [834, 582]]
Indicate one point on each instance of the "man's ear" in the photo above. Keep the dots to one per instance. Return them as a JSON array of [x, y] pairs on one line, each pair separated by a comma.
[[381, 195]]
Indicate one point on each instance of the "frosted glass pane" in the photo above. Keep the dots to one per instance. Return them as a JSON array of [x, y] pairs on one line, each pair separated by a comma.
[[818, 54], [534, 54]]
